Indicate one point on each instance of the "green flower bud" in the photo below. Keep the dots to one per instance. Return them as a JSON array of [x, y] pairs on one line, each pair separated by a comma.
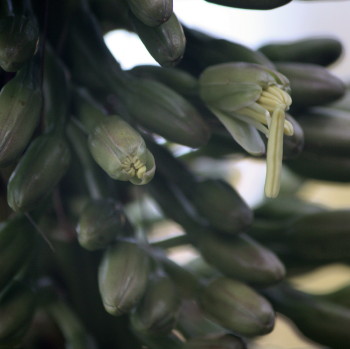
[[194, 323], [19, 37], [20, 104], [315, 50], [121, 151], [326, 131], [251, 4], [151, 12], [100, 223], [122, 277], [311, 84], [17, 305], [248, 98], [203, 51], [324, 167], [156, 313], [38, 172], [166, 42], [241, 257], [237, 307], [320, 320]]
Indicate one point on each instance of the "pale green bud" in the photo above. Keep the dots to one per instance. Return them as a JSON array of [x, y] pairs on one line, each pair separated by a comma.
[[121, 151], [237, 307]]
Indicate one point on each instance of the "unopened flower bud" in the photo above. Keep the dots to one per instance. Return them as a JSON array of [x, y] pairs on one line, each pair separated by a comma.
[[121, 151]]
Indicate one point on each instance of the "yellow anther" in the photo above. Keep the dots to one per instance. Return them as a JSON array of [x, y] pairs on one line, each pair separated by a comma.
[[133, 166], [288, 128], [141, 171]]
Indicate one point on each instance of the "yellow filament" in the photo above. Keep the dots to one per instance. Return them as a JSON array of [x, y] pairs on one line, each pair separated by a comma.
[[274, 154]]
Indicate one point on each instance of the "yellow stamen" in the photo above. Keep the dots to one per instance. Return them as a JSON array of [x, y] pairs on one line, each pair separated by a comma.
[[133, 166]]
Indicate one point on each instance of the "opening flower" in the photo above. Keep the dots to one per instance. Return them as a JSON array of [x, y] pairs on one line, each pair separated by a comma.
[[250, 99]]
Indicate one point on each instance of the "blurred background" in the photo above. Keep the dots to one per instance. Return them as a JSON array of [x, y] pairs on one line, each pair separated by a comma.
[[299, 19]]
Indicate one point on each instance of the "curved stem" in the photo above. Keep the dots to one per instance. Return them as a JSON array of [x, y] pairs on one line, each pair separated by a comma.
[[79, 143]]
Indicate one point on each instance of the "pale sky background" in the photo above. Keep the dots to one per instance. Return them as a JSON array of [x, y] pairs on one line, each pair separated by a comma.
[[295, 20]]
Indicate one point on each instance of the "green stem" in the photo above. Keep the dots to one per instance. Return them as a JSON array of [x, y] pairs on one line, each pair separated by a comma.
[[171, 242], [187, 282], [73, 331], [79, 143]]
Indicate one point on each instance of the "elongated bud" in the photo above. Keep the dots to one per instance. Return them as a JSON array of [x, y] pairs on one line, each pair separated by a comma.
[[318, 50], [194, 323], [17, 238], [203, 51], [326, 131], [320, 236], [38, 172], [311, 84], [321, 321], [237, 307], [166, 42], [17, 305], [20, 103], [251, 4], [100, 223], [156, 313], [122, 277], [19, 36], [121, 151], [241, 257], [150, 12]]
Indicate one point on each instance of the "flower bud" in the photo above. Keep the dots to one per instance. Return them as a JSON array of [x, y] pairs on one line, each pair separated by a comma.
[[121, 151], [38, 171], [122, 277], [19, 36], [237, 307], [20, 104], [315, 50], [166, 42], [151, 12], [251, 4], [156, 313], [241, 257], [100, 223]]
